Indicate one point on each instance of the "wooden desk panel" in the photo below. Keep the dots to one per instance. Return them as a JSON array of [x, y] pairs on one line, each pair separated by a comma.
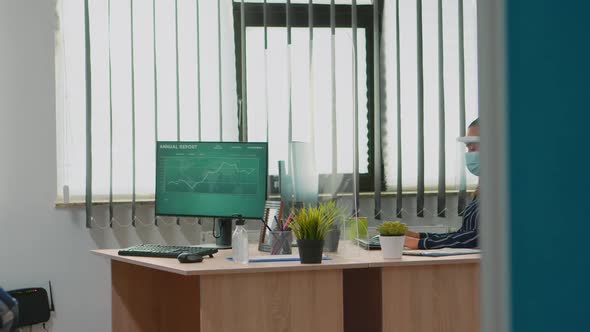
[[148, 300], [441, 298], [362, 300], [269, 302]]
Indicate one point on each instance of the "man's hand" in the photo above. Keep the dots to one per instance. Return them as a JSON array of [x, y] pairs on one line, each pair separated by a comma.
[[411, 242], [413, 234]]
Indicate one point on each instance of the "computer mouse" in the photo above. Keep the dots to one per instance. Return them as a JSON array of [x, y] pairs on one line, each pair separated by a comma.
[[187, 257]]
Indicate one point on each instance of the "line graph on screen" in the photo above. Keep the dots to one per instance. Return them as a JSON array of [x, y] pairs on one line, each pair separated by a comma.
[[211, 175]]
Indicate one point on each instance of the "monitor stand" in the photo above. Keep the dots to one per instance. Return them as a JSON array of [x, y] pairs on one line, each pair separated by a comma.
[[222, 233]]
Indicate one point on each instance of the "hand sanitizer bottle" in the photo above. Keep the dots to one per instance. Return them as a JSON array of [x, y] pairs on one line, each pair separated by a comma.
[[239, 243]]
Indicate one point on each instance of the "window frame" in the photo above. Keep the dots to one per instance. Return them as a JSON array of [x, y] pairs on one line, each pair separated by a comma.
[[299, 15]]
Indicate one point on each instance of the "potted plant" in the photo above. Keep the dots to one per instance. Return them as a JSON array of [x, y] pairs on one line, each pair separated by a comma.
[[332, 239], [357, 228], [391, 238], [310, 225]]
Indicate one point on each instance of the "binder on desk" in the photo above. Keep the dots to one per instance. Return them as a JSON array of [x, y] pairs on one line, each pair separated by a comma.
[[276, 258], [442, 252]]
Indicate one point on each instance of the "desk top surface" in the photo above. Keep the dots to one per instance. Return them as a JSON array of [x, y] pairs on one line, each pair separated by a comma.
[[348, 257]]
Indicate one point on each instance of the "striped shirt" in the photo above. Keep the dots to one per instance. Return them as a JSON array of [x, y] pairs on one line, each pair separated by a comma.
[[465, 237]]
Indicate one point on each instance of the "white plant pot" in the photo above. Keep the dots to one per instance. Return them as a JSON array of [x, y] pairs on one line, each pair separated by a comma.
[[392, 247]]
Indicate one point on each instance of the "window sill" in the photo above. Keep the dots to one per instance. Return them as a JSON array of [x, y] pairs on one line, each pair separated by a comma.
[[150, 202]]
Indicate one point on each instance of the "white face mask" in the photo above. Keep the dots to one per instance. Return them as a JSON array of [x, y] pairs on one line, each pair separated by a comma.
[[472, 162]]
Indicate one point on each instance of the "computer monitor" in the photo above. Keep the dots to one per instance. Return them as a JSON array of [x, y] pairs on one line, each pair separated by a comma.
[[211, 179]]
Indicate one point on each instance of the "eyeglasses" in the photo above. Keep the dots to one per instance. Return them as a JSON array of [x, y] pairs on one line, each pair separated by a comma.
[[468, 139]]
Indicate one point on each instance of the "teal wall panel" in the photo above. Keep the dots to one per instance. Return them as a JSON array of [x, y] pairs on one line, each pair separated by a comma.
[[548, 116]]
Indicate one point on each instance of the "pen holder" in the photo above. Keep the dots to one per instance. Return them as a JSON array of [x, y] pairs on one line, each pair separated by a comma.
[[280, 242]]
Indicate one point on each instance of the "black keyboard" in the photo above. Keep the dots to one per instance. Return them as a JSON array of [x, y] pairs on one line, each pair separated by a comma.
[[158, 250]]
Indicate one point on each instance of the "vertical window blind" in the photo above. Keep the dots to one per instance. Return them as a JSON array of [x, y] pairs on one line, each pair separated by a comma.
[[429, 64], [380, 90]]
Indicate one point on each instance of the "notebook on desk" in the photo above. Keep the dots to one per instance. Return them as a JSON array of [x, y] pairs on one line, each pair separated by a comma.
[[442, 252], [373, 244], [276, 258]]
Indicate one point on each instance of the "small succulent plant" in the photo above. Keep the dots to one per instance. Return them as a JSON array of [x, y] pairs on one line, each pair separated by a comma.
[[392, 228]]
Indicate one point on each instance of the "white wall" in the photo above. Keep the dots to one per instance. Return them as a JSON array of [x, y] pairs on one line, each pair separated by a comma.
[[37, 241]]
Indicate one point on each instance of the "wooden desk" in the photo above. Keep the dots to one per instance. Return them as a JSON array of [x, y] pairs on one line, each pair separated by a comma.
[[415, 294], [362, 293]]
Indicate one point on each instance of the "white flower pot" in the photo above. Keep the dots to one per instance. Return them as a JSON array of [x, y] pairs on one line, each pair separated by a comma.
[[392, 246]]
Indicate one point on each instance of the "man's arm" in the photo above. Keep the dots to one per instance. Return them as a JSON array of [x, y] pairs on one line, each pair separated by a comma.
[[450, 240], [412, 238]]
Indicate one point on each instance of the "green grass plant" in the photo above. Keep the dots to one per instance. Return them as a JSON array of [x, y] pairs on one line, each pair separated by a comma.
[[313, 222]]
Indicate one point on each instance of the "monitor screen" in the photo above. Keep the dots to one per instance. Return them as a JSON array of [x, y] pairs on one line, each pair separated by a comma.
[[211, 179]]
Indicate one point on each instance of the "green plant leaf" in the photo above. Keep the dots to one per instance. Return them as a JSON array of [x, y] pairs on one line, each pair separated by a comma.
[[314, 222], [392, 228]]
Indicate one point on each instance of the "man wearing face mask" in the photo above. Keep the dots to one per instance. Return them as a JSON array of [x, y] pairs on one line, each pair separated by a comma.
[[467, 235]]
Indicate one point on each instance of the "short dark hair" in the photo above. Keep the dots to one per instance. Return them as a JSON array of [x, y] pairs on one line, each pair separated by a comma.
[[474, 123]]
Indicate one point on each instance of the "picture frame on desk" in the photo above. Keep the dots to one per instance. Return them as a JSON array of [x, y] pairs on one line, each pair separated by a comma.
[[272, 209]]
